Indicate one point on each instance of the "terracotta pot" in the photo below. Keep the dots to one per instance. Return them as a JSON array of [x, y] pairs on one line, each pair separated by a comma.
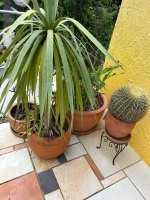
[[117, 128], [17, 126], [48, 149], [84, 124]]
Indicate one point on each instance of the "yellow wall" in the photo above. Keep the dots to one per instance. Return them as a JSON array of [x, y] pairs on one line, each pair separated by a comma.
[[130, 45]]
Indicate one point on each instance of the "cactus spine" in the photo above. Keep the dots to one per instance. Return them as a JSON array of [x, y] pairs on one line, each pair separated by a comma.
[[129, 103]]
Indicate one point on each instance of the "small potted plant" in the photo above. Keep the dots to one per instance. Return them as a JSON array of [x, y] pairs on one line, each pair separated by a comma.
[[18, 120], [43, 46], [127, 106], [86, 116]]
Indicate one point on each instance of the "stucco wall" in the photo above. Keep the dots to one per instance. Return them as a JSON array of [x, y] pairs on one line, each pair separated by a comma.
[[130, 45]]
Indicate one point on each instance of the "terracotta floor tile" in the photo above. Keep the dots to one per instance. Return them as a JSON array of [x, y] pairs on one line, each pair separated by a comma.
[[19, 146], [94, 167], [23, 188], [113, 179], [6, 150]]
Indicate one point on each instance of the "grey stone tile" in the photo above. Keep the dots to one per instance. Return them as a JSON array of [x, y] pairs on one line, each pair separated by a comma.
[[48, 181], [62, 159], [103, 157], [7, 138], [73, 139], [122, 190], [15, 164], [76, 179], [74, 151], [139, 174]]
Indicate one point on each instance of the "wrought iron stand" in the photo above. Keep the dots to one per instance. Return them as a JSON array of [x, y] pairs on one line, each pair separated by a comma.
[[119, 146]]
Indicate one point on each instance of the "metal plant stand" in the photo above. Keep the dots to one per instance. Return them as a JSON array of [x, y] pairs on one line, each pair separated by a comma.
[[117, 143]]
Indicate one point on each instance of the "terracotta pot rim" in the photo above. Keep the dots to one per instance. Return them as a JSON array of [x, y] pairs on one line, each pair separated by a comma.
[[10, 116], [60, 137], [119, 121], [105, 101]]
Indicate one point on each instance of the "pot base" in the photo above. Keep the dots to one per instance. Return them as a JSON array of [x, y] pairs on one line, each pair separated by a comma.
[[120, 141], [80, 133], [20, 135]]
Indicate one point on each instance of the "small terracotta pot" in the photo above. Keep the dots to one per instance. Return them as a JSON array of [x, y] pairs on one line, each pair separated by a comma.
[[48, 149], [17, 126], [84, 124], [117, 128]]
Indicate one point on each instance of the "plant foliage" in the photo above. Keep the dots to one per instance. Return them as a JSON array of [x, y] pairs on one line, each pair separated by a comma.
[[44, 46]]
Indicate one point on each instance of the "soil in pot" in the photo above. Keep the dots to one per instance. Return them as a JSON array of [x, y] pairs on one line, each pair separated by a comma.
[[86, 122], [17, 120], [51, 144]]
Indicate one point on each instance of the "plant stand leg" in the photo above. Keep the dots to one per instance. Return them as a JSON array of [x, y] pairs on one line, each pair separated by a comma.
[[101, 139], [119, 148]]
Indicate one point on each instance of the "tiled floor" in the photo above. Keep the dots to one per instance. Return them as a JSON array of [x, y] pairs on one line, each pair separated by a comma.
[[82, 172]]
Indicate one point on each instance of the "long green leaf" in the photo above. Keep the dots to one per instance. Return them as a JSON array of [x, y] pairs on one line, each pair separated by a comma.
[[92, 39], [82, 69], [17, 23], [50, 7], [67, 74], [60, 111]]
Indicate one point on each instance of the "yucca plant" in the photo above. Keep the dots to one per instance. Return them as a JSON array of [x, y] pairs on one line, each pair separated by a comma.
[[44, 46]]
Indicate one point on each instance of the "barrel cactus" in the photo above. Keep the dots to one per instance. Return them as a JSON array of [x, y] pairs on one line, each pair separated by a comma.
[[129, 103]]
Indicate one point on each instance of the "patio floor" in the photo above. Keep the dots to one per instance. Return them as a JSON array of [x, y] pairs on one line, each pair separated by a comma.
[[82, 172]]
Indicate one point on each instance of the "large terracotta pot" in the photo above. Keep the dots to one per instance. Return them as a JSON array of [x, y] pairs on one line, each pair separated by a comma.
[[18, 127], [84, 124], [117, 128], [48, 149]]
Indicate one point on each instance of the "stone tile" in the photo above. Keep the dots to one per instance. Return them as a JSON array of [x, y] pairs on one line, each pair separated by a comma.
[[19, 146], [94, 167], [76, 179], [7, 138], [103, 157], [100, 125], [48, 181], [42, 164], [113, 179], [73, 139], [122, 190], [56, 195], [22, 188], [74, 151], [139, 174], [15, 164], [62, 159], [7, 150]]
